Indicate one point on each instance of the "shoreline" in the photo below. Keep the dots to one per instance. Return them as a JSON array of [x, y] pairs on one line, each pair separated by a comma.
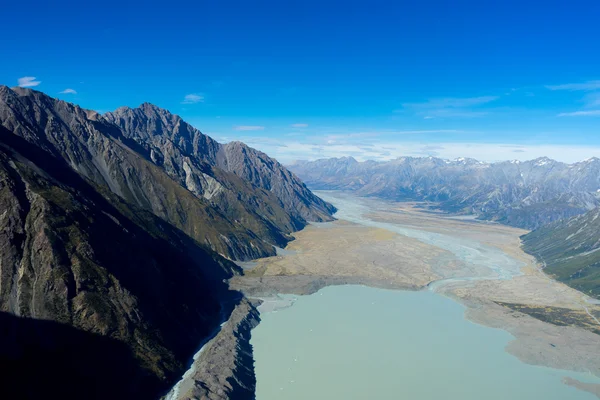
[[223, 368]]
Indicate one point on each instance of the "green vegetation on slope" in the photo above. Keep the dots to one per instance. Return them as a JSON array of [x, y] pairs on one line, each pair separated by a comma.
[[569, 251]]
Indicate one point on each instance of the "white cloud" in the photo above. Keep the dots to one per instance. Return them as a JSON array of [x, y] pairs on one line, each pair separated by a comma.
[[450, 107], [589, 85], [455, 113], [68, 91], [592, 100], [299, 125], [28, 81], [453, 102], [193, 98], [383, 132], [385, 145], [588, 113], [289, 151], [248, 128]]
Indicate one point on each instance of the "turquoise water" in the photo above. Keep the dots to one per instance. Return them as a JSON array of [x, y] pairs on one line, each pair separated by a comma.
[[355, 342]]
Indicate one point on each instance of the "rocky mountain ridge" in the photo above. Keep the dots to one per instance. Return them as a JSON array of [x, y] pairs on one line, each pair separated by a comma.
[[180, 148], [526, 194], [234, 216]]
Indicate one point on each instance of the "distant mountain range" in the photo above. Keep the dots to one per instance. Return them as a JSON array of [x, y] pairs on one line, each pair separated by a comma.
[[115, 235], [559, 201], [526, 194]]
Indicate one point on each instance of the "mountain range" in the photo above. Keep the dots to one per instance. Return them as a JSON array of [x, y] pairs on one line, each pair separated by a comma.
[[525, 194], [119, 231], [558, 201], [117, 234]]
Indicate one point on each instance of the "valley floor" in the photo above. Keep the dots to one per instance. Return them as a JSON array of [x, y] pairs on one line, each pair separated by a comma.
[[553, 324]]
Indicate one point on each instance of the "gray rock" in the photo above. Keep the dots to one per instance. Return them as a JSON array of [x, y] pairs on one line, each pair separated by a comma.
[[160, 163], [178, 144]]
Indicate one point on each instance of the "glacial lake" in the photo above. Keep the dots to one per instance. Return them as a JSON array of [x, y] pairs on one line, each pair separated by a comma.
[[356, 342]]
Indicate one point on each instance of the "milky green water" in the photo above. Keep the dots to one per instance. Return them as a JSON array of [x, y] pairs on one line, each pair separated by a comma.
[[354, 342]]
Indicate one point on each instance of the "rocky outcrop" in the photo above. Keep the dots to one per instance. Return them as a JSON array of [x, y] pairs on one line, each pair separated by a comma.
[[224, 369], [182, 151], [524, 194], [265, 172]]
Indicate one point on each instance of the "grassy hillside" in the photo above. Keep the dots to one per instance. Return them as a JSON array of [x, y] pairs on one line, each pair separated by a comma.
[[570, 251]]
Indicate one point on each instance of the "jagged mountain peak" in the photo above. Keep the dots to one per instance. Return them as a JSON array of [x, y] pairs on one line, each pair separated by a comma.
[[147, 110], [196, 183], [591, 160], [542, 161]]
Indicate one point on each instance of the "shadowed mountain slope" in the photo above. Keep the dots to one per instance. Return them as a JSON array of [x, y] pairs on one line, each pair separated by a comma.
[[74, 253]]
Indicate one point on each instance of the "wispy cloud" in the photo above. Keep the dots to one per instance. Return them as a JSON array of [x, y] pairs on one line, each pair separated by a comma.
[[287, 151], [28, 81], [450, 107], [453, 102], [589, 85], [68, 91], [455, 113], [587, 113], [380, 133], [592, 100], [248, 128], [193, 98], [299, 125]]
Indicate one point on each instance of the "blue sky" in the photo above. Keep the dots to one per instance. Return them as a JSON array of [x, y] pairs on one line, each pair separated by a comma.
[[309, 79]]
